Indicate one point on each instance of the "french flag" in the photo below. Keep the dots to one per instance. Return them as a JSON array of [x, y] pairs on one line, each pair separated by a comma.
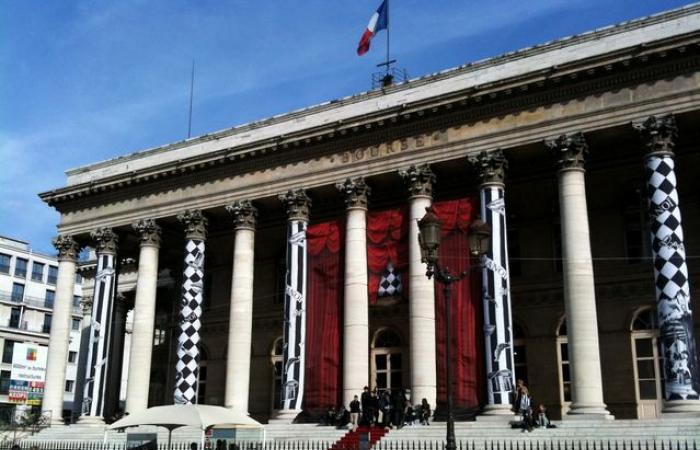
[[378, 22]]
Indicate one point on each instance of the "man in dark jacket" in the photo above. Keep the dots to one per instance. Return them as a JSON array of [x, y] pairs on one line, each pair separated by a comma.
[[354, 412], [366, 401]]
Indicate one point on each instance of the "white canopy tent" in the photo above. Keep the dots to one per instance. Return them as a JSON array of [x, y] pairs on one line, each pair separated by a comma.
[[176, 416]]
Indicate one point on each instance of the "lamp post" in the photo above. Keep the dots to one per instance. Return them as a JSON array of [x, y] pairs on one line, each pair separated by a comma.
[[430, 227]]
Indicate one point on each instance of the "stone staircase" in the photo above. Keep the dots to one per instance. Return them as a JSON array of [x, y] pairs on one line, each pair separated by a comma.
[[351, 440]]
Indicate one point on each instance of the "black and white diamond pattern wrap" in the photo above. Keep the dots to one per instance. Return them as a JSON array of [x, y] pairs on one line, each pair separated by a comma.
[[671, 278], [187, 366], [294, 317], [390, 282], [498, 337], [98, 347]]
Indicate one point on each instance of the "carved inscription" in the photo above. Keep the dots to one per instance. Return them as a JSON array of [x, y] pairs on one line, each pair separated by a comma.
[[401, 145]]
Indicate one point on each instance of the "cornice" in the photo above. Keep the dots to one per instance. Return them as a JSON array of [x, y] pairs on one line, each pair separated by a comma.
[[541, 87]]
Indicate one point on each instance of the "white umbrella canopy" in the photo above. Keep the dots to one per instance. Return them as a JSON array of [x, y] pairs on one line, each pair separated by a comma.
[[175, 416]]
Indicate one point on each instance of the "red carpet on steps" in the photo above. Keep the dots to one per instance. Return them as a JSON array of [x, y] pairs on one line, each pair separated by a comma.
[[351, 440]]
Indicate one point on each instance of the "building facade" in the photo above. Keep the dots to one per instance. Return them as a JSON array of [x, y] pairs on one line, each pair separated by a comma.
[[27, 295], [277, 268]]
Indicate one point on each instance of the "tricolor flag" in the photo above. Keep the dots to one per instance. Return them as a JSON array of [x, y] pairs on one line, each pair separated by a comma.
[[378, 22]]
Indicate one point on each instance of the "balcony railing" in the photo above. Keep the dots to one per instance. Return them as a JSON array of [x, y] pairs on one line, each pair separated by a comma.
[[35, 302]]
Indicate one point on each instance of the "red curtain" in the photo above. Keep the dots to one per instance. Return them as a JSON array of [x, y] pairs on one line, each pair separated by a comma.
[[465, 307], [324, 315], [386, 241]]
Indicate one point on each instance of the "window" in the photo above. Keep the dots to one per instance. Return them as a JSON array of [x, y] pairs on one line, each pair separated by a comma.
[[53, 275], [21, 267], [72, 357], [17, 292], [37, 271], [15, 314], [564, 372], [75, 325], [276, 359], [5, 263], [47, 324], [648, 361], [514, 262], [49, 298], [76, 301], [78, 279], [387, 360], [7, 350], [4, 382], [69, 385], [635, 226]]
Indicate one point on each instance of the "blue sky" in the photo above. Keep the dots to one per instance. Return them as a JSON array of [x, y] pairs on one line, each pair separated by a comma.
[[84, 81]]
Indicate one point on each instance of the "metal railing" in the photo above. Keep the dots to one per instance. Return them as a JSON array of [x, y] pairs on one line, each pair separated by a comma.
[[525, 443], [36, 302]]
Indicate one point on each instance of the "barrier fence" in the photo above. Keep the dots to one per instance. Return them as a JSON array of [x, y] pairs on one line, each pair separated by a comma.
[[526, 443]]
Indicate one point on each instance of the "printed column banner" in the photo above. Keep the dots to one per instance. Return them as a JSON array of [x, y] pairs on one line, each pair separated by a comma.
[[671, 276], [498, 334], [187, 366], [294, 317], [98, 347], [28, 374]]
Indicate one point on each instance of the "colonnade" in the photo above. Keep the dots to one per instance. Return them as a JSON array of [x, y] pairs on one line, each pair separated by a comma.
[[675, 316]]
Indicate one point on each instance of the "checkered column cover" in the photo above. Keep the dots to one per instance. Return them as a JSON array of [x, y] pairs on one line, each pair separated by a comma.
[[98, 358], [671, 278], [294, 317], [187, 366], [498, 335]]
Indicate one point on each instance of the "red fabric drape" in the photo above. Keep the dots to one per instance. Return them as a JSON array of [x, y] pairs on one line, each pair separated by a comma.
[[386, 241], [465, 307], [324, 315]]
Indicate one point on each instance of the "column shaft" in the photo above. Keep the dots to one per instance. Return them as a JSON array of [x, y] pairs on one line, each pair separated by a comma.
[[240, 322], [356, 309], [137, 388], [579, 296], [421, 312], [58, 341]]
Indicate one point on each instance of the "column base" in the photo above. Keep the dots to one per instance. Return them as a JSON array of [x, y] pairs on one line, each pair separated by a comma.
[[677, 408], [284, 416], [588, 412], [91, 421]]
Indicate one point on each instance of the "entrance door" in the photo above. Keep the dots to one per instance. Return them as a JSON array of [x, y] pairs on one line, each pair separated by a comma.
[[387, 361], [647, 365]]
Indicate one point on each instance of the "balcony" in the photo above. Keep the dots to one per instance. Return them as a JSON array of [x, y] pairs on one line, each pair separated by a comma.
[[32, 302]]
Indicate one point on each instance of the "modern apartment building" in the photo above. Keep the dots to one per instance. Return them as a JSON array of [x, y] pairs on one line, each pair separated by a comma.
[[27, 291]]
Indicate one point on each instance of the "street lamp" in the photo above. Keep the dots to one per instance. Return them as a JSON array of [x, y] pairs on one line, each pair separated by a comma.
[[430, 227]]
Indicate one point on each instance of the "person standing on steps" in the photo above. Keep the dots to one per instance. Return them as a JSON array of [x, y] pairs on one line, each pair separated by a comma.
[[366, 400], [354, 412]]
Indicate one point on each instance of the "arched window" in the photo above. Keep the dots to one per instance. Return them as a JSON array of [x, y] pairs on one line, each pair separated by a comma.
[[519, 353], [564, 372], [387, 360], [276, 360], [202, 376], [647, 361]]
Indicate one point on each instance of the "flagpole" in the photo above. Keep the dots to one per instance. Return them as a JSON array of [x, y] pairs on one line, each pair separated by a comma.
[[388, 24], [189, 125]]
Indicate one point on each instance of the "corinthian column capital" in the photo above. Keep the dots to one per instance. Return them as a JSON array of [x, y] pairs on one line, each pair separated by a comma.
[[67, 248], [659, 133], [106, 240], [420, 180], [148, 231], [491, 166], [356, 192], [244, 214], [297, 203], [570, 150], [195, 224]]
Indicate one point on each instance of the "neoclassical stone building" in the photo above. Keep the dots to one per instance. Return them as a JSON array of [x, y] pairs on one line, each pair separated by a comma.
[[294, 275]]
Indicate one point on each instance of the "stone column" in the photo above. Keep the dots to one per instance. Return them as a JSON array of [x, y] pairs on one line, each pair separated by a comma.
[[294, 336], [421, 291], [116, 356], [681, 375], [240, 327], [356, 303], [98, 360], [498, 318], [59, 336], [187, 366], [86, 308], [579, 287], [141, 347]]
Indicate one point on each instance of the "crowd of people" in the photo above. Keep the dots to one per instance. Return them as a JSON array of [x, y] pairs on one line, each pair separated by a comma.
[[388, 409]]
